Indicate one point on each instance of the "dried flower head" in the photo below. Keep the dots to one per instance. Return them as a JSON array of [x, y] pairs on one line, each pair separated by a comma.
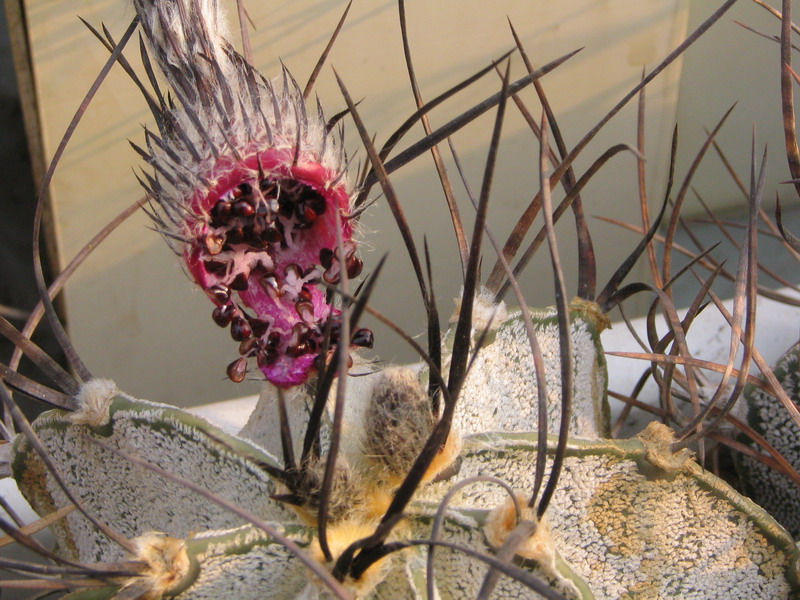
[[251, 189]]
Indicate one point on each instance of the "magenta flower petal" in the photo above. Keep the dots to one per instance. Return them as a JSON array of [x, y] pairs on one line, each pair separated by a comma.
[[261, 241]]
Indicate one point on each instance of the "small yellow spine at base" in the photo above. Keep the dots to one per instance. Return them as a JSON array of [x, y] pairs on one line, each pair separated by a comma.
[[503, 520], [592, 312], [539, 547], [340, 537], [376, 502], [445, 457], [658, 439]]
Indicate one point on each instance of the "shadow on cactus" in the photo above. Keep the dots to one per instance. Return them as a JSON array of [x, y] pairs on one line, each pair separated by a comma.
[[488, 471]]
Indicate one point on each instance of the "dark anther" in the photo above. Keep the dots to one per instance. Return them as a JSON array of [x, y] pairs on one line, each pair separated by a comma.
[[309, 270], [268, 188], [243, 209], [223, 314], [220, 293], [304, 295], [263, 267], [239, 282], [354, 266], [270, 285], [309, 214], [221, 212], [326, 257], [299, 342], [273, 341], [237, 370], [271, 235], [236, 235], [335, 326], [243, 189], [254, 239], [216, 267], [264, 358], [214, 243], [306, 203], [305, 310], [259, 326], [330, 277], [246, 346], [300, 333], [315, 201], [256, 243], [285, 208], [363, 337], [293, 268], [300, 348], [240, 329]]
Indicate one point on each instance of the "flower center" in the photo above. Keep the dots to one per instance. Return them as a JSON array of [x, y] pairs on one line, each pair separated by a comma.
[[261, 248]]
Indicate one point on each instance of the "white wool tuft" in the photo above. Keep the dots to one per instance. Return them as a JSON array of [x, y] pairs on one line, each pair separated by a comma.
[[165, 562], [94, 401]]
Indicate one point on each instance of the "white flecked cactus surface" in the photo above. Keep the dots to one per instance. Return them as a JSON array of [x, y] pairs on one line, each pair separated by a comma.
[[629, 519], [776, 492]]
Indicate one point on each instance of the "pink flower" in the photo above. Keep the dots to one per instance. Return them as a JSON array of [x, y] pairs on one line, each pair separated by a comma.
[[250, 189]]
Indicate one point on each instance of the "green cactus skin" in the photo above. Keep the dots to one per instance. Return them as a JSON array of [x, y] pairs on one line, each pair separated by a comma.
[[132, 499], [773, 490], [632, 529], [246, 564], [629, 519], [504, 371], [624, 526]]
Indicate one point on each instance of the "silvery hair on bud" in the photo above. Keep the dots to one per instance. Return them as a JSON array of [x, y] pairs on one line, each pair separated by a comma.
[[225, 109]]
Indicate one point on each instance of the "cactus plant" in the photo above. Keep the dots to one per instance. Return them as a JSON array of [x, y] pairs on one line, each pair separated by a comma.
[[489, 471], [774, 490], [598, 544]]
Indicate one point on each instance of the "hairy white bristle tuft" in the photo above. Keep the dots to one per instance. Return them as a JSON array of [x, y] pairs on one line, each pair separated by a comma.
[[165, 562], [93, 402], [397, 422]]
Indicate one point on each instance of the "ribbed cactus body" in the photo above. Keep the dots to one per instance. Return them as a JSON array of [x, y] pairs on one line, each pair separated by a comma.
[[629, 518], [633, 529], [773, 490], [499, 393], [130, 498]]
